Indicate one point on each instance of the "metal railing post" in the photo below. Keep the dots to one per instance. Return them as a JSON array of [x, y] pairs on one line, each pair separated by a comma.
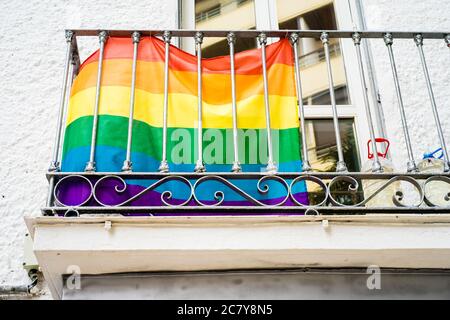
[[271, 167], [127, 164], [55, 164], [74, 65], [164, 166], [376, 165], [418, 39], [411, 164], [340, 165], [72, 75], [231, 38], [301, 112], [199, 166], [90, 166]]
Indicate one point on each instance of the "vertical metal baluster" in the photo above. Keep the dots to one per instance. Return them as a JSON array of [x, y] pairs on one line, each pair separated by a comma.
[[127, 164], [340, 165], [294, 41], [72, 74], [411, 165], [271, 167], [76, 64], [236, 165], [376, 165], [418, 39], [164, 166], [74, 70], [54, 165], [90, 166], [199, 166], [75, 58]]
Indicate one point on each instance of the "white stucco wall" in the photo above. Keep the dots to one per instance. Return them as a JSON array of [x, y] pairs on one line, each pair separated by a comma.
[[32, 58], [412, 15], [32, 53]]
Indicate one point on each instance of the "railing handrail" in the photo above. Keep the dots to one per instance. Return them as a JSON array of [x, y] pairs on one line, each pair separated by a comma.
[[269, 33], [248, 174]]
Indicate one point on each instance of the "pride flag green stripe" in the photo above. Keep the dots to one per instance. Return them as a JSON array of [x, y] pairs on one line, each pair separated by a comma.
[[112, 131]]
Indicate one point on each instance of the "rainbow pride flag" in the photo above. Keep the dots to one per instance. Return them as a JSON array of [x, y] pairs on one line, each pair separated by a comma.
[[182, 118]]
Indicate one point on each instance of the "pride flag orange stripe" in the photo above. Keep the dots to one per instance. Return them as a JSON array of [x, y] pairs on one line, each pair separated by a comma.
[[217, 87]]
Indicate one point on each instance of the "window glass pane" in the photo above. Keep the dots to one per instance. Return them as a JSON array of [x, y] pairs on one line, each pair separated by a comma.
[[322, 152], [224, 15], [321, 142], [315, 15], [323, 97]]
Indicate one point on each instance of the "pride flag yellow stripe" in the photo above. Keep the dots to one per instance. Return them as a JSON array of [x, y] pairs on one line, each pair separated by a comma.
[[114, 100]]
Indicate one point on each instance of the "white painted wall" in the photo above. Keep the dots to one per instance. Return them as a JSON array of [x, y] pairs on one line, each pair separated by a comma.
[[32, 49], [412, 15], [32, 53]]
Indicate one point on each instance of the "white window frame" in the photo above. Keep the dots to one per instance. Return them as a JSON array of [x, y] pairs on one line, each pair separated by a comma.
[[267, 19], [356, 109]]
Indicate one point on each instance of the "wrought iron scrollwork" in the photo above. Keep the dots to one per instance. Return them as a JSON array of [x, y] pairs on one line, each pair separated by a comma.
[[261, 186], [166, 195], [304, 178], [446, 196], [64, 182], [74, 192], [354, 185]]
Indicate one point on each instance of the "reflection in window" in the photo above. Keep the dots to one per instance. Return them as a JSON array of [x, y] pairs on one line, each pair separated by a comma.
[[322, 152], [225, 15], [207, 14], [304, 15], [221, 48], [323, 97]]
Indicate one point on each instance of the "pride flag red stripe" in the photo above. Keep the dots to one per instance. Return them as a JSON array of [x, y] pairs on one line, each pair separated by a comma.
[[152, 49]]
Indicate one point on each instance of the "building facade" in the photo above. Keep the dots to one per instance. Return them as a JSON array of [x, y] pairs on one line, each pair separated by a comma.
[[106, 245]]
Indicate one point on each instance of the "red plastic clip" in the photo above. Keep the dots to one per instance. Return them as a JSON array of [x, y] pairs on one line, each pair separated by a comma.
[[380, 154]]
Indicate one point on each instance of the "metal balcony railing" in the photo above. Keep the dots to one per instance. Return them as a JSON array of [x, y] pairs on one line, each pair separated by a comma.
[[341, 192]]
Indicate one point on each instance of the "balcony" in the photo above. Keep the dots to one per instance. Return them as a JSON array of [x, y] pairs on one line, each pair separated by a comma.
[[279, 181]]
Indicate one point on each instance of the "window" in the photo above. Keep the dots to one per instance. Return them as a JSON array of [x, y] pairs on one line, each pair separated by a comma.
[[224, 14], [221, 47], [322, 145], [207, 14], [323, 97], [311, 53], [300, 15], [305, 15]]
